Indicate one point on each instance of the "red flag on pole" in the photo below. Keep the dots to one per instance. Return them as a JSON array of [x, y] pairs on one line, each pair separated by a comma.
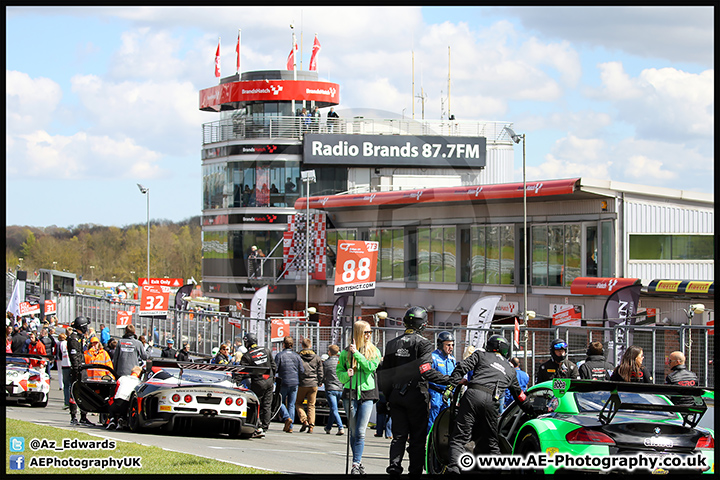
[[237, 50], [217, 60], [313, 57], [291, 57]]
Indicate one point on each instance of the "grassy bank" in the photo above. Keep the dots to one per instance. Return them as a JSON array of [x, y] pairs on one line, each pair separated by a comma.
[[152, 460]]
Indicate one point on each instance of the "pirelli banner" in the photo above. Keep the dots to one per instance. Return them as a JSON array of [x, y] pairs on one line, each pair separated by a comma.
[[687, 287], [394, 150]]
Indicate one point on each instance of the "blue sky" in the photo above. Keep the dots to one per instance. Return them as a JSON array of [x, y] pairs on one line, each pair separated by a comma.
[[101, 98]]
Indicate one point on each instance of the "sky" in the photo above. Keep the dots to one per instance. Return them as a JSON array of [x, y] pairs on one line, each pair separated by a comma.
[[99, 99]]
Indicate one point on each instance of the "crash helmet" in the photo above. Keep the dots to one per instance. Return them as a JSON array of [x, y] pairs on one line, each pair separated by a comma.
[[81, 324], [558, 344], [444, 337], [215, 351], [498, 343], [249, 340], [415, 318], [170, 341]]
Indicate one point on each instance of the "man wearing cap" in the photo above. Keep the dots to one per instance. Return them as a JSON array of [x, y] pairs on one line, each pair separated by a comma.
[[169, 351]]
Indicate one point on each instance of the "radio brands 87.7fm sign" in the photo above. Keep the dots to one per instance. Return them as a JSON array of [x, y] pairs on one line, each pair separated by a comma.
[[154, 300], [356, 266]]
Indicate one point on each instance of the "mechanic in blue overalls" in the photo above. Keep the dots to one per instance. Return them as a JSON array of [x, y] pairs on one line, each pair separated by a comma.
[[444, 362]]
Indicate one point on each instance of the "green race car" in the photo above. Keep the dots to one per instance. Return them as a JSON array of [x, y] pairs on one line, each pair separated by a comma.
[[592, 426]]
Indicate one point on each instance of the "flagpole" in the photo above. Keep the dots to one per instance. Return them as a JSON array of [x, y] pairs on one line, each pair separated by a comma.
[[292, 49], [238, 51]]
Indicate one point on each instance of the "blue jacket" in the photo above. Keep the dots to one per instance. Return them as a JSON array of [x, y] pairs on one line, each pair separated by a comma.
[[523, 380], [289, 367], [444, 365], [105, 335]]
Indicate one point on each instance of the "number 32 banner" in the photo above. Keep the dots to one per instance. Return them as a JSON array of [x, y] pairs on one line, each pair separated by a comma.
[[356, 266], [154, 300]]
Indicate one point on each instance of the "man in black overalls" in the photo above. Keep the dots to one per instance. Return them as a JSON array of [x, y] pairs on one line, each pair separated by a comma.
[[406, 370], [479, 409]]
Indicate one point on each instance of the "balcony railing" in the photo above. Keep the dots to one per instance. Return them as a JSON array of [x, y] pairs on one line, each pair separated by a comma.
[[242, 127]]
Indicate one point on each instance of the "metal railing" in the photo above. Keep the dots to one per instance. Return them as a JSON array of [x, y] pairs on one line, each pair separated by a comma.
[[243, 127], [204, 330]]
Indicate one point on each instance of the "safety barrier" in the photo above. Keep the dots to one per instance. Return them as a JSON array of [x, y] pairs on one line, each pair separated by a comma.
[[204, 330]]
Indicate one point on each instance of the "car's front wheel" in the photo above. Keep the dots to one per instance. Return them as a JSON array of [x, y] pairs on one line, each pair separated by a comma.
[[134, 415]]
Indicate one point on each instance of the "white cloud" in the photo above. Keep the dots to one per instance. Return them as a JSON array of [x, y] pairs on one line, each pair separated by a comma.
[[30, 102], [662, 104], [159, 114], [79, 156]]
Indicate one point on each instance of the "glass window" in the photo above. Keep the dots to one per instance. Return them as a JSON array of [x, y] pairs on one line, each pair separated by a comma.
[[492, 240], [556, 255], [507, 255], [671, 247], [213, 187], [449, 255], [423, 248], [477, 236], [573, 255], [398, 255], [606, 245], [539, 255]]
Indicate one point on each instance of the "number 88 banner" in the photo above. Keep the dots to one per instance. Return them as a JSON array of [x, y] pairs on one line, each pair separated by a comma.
[[356, 266]]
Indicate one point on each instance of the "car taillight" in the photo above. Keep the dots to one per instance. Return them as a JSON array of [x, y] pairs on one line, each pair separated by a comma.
[[705, 442], [239, 401], [35, 378], [188, 398], [228, 401], [176, 398], [586, 436]]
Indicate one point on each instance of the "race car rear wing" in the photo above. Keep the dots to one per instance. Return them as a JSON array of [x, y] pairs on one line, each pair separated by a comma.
[[691, 413], [238, 371], [21, 357]]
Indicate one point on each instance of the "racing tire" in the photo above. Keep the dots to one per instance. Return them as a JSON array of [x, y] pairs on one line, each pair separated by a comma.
[[529, 444], [40, 404], [134, 416]]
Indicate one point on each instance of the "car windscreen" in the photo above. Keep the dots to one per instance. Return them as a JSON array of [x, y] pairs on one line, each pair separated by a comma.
[[594, 401], [194, 376]]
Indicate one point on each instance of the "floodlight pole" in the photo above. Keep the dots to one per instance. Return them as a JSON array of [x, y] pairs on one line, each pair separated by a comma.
[[146, 191]]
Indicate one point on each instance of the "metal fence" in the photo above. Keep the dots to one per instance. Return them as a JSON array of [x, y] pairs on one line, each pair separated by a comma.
[[204, 330]]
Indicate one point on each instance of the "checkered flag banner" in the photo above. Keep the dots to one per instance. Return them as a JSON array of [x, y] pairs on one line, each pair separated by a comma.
[[294, 246]]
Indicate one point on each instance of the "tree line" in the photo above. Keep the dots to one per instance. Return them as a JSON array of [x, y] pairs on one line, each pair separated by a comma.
[[96, 252]]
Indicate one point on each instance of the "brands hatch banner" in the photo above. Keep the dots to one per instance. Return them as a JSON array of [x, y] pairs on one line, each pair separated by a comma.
[[394, 150]]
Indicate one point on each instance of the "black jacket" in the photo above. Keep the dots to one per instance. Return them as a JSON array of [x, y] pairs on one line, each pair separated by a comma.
[[680, 375], [407, 364], [550, 370], [641, 376], [168, 352], [492, 372], [260, 357], [596, 368], [182, 356], [75, 350]]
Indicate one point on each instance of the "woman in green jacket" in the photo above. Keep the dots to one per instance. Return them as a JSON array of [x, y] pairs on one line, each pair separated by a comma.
[[356, 370]]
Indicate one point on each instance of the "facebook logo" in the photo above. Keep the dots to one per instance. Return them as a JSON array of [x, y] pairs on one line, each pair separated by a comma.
[[17, 444], [17, 462]]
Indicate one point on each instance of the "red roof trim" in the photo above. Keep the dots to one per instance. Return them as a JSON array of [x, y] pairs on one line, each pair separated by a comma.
[[600, 285], [267, 91], [470, 193]]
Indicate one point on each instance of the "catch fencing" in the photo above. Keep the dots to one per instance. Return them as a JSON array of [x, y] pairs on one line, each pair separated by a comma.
[[205, 330]]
